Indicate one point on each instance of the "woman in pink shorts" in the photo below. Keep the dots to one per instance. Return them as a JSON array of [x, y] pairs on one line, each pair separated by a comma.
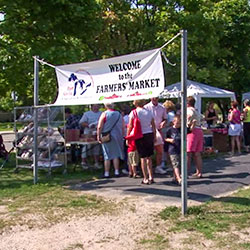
[[195, 139]]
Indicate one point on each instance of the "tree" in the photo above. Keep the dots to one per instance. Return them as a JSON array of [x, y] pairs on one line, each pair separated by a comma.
[[65, 32], [234, 16], [58, 31], [218, 40]]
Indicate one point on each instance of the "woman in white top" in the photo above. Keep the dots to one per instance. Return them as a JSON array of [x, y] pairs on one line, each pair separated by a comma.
[[144, 145]]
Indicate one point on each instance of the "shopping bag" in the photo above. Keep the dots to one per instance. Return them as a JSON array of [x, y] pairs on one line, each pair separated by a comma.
[[136, 132], [158, 139]]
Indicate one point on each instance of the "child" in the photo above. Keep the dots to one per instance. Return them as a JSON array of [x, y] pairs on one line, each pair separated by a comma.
[[173, 138], [133, 158]]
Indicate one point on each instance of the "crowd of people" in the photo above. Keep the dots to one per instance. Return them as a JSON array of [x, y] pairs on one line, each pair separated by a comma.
[[160, 136]]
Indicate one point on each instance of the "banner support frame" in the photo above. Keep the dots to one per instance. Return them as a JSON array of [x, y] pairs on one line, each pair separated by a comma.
[[36, 102], [184, 121]]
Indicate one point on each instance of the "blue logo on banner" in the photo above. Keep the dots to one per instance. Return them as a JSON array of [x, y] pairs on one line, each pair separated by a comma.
[[83, 85]]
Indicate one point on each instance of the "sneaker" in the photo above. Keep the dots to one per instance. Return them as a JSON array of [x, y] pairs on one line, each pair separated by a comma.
[[159, 170], [125, 171], [84, 166], [169, 169], [97, 166], [117, 173]]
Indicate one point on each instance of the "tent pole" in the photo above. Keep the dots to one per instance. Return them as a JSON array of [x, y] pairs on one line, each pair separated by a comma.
[[184, 121], [36, 101]]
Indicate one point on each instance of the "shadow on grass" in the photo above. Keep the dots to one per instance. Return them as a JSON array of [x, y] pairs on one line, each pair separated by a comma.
[[240, 205], [234, 200], [24, 177]]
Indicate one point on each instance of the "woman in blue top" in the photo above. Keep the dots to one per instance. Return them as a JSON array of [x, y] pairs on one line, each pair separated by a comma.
[[112, 150]]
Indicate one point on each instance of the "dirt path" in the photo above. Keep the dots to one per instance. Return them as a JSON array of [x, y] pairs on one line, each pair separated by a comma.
[[129, 227], [123, 229]]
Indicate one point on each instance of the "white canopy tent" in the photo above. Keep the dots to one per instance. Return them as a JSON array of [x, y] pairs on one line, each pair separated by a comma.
[[198, 91], [246, 96]]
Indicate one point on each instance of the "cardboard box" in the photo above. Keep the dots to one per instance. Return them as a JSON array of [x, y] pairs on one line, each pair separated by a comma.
[[220, 142], [72, 135]]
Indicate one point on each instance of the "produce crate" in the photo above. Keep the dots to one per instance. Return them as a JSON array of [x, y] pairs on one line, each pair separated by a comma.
[[220, 142]]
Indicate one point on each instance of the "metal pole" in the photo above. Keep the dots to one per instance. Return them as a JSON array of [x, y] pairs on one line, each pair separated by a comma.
[[184, 121], [36, 101]]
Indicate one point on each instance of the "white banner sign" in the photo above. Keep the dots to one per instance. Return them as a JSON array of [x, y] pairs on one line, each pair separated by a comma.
[[117, 79]]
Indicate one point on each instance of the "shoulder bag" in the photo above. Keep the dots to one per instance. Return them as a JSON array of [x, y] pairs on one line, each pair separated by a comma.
[[106, 136], [136, 132]]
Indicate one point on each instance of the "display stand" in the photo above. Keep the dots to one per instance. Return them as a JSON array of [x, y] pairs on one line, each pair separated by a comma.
[[50, 144]]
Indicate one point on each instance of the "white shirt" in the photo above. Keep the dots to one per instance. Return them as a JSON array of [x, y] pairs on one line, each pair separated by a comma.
[[158, 111], [192, 114], [145, 116]]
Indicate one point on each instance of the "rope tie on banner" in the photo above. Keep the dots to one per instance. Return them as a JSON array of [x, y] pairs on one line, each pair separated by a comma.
[[166, 59], [43, 62], [168, 42], [50, 65], [164, 45]]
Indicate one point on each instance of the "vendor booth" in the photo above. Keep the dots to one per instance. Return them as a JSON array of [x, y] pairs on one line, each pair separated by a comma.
[[198, 91], [246, 96], [216, 137]]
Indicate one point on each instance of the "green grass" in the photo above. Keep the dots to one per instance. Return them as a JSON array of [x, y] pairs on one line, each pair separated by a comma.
[[6, 126], [218, 216], [52, 198], [9, 126], [156, 241]]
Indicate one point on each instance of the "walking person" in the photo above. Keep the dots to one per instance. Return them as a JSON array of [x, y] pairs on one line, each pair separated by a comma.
[[234, 127], [144, 145]]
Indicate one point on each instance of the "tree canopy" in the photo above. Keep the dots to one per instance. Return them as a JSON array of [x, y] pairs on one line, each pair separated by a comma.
[[63, 32]]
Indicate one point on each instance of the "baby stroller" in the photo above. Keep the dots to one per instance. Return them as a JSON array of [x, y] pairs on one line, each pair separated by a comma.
[[3, 152]]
